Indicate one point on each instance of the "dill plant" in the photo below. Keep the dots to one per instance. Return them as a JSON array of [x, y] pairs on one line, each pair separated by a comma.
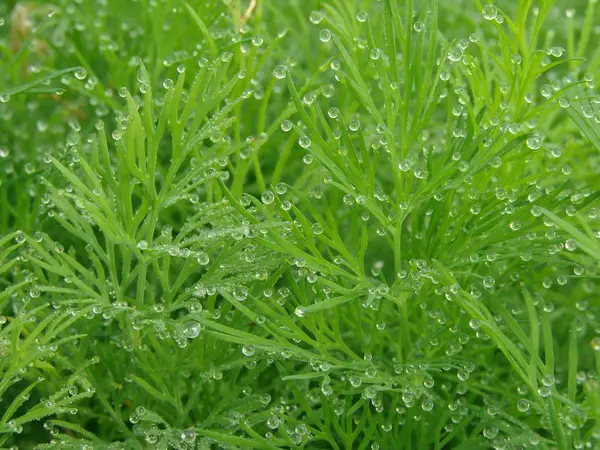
[[268, 225]]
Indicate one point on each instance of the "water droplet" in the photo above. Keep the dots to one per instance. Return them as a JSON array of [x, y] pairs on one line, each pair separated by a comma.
[[564, 102], [455, 54], [489, 12], [523, 405], [354, 125], [202, 258], [265, 399], [362, 16], [526, 255], [80, 73], [534, 142], [427, 404], [317, 228], [475, 209], [587, 111], [548, 307], [536, 211], [240, 293], [325, 35], [188, 435], [304, 142], [326, 389], [279, 72], [248, 350], [544, 391], [546, 90], [418, 26], [489, 282], [273, 422], [548, 380], [316, 17], [14, 427], [267, 197], [192, 329], [286, 126], [257, 41], [19, 237], [355, 381], [300, 311], [308, 99]]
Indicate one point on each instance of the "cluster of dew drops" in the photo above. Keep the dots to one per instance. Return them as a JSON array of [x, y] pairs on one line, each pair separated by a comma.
[[190, 329], [534, 142]]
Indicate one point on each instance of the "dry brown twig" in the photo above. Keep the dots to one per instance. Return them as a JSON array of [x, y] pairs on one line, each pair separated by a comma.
[[20, 28], [249, 10]]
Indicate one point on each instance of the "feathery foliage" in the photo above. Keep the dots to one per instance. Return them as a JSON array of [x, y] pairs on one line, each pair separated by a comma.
[[299, 224]]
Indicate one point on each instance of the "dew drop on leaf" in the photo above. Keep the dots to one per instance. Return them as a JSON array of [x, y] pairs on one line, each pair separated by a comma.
[[286, 126], [304, 142], [188, 435], [523, 405], [80, 73], [267, 197], [192, 329], [202, 258], [315, 17], [325, 35], [534, 142], [427, 404], [248, 350], [362, 16]]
